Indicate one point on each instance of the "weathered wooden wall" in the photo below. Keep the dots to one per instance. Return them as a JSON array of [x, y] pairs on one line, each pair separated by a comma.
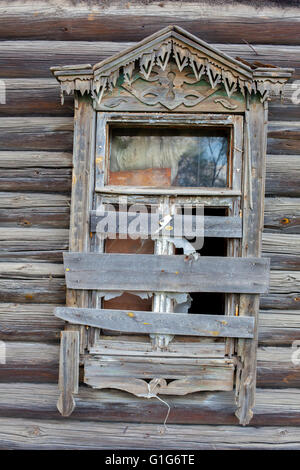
[[35, 178]]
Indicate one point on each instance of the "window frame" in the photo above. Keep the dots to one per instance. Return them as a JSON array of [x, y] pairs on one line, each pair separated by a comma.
[[106, 120]]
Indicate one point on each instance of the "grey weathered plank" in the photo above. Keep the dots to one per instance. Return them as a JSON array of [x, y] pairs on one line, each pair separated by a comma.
[[20, 239], [161, 323], [189, 376], [283, 175], [166, 273], [29, 322], [50, 434], [253, 213], [281, 301], [213, 226], [282, 213], [19, 159], [32, 133], [142, 346], [68, 371], [36, 179], [165, 367]]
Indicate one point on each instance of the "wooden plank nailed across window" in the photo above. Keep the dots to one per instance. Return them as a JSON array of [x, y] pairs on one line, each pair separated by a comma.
[[164, 273], [145, 224], [161, 323]]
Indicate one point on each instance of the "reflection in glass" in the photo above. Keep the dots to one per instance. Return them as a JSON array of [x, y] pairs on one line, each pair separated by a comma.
[[163, 157]]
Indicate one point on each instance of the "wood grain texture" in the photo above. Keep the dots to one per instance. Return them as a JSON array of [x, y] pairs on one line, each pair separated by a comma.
[[283, 138], [282, 213], [139, 19], [189, 377], [50, 133], [25, 59], [29, 322], [20, 239], [38, 401], [35, 362], [165, 273], [163, 323], [76, 435], [68, 371], [283, 175], [280, 243], [281, 301]]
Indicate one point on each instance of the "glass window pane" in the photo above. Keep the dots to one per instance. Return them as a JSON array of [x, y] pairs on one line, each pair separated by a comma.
[[162, 157]]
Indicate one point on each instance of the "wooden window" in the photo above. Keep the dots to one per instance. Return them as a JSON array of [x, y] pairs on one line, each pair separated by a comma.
[[173, 154], [169, 123]]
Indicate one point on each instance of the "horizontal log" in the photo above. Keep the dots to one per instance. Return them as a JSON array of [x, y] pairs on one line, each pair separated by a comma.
[[35, 159], [21, 239], [29, 322], [32, 133], [280, 301], [110, 222], [279, 327], [55, 256], [283, 175], [36, 217], [38, 362], [30, 362], [165, 273], [136, 21], [283, 138], [280, 243], [31, 270], [284, 262], [35, 96], [36, 179], [162, 323], [38, 401], [28, 59], [33, 290], [60, 434], [275, 368], [282, 213], [25, 200], [284, 282], [283, 111]]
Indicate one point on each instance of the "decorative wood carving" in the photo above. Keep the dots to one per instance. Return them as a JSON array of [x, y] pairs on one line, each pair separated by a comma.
[[156, 53]]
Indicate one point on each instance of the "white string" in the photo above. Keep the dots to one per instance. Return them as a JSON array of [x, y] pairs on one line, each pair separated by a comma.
[[150, 394]]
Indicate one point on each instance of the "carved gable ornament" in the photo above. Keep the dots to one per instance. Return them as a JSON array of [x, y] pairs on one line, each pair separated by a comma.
[[171, 69]]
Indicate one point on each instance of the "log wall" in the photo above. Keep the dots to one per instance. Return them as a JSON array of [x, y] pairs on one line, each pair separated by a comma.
[[35, 178]]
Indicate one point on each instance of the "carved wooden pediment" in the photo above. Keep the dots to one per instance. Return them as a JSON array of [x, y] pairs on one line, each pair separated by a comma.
[[169, 62]]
